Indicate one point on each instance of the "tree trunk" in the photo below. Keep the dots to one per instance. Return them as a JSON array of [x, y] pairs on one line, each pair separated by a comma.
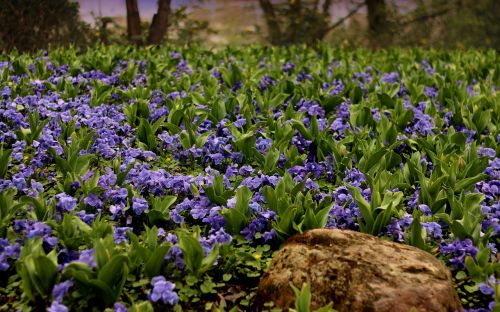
[[159, 25], [296, 30], [133, 22], [273, 27], [377, 22]]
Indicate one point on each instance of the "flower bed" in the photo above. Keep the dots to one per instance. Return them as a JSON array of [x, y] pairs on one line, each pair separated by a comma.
[[165, 179]]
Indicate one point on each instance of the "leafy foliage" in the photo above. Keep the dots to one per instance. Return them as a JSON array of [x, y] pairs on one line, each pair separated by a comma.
[[166, 178]]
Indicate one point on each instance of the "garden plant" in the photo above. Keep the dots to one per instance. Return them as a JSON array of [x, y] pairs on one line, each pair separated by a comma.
[[159, 179]]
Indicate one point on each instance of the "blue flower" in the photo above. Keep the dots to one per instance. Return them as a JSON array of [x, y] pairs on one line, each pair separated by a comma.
[[120, 234], [486, 152], [221, 237], [355, 177], [433, 229], [87, 256], [265, 83], [93, 201], [394, 229], [287, 67], [116, 210], [60, 290], [119, 307], [431, 92], [65, 202], [458, 250], [269, 235], [163, 290], [263, 145], [486, 288], [8, 250], [38, 229], [392, 77], [57, 307], [246, 170], [425, 209], [139, 205]]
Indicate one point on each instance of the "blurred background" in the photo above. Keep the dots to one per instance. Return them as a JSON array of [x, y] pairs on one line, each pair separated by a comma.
[[29, 25]]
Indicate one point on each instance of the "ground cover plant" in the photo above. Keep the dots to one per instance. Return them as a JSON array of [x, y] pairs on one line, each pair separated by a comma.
[[160, 179]]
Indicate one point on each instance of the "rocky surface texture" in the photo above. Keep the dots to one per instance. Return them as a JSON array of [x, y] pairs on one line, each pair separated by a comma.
[[358, 272]]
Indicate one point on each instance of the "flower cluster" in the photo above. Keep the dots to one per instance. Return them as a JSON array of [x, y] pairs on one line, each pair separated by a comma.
[[109, 157]]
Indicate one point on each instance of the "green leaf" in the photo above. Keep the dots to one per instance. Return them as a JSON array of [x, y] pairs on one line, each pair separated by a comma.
[[415, 236], [144, 306], [363, 205], [302, 297], [113, 272], [298, 125], [192, 251], [102, 251], [356, 95], [208, 262], [385, 100], [271, 160], [153, 266], [331, 102], [46, 271], [464, 184], [101, 289], [238, 216], [4, 162]]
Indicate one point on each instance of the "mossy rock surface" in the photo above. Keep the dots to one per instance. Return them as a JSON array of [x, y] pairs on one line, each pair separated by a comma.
[[358, 272]]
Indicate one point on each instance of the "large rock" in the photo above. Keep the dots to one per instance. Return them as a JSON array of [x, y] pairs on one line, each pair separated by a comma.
[[358, 272]]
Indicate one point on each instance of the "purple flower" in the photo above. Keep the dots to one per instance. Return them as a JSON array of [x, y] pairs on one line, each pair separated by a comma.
[[269, 235], [487, 287], [425, 209], [65, 202], [458, 250], [263, 145], [57, 307], [287, 67], [8, 250], [493, 168], [117, 210], [163, 290], [36, 188], [246, 170], [38, 229], [433, 229], [310, 184], [119, 307], [60, 290], [221, 237], [342, 194], [304, 76], [120, 234], [355, 177], [240, 122], [394, 229], [413, 200], [427, 67], [431, 92], [392, 77], [139, 205], [265, 83], [486, 152], [87, 256], [118, 195], [231, 171], [93, 201], [19, 181]]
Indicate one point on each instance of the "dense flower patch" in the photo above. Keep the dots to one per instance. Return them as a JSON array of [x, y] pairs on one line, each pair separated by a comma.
[[165, 179]]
